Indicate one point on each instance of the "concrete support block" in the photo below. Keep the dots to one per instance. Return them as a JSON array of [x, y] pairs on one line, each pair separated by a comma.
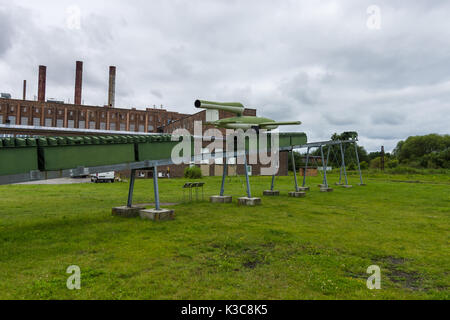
[[157, 215], [294, 194], [271, 193], [221, 199], [324, 189], [127, 212], [339, 184], [303, 189], [245, 201], [362, 184]]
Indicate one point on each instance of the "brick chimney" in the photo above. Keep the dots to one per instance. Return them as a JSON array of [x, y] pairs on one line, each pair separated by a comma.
[[41, 83], [112, 87], [78, 82]]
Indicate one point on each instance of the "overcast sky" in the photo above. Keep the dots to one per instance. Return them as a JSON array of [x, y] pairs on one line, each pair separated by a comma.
[[334, 65]]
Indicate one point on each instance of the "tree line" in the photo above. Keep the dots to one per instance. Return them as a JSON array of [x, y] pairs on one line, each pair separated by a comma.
[[430, 151]]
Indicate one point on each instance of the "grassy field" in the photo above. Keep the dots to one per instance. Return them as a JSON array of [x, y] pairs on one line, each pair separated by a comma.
[[318, 247]]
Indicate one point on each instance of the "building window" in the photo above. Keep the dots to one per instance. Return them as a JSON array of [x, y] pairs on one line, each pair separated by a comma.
[[1, 119], [132, 127], [82, 124], [91, 124], [24, 109], [71, 113], [12, 109], [48, 122], [12, 119], [102, 125], [36, 122], [49, 111], [112, 126], [141, 128], [60, 112], [122, 127], [59, 123], [24, 121], [70, 123], [150, 128]]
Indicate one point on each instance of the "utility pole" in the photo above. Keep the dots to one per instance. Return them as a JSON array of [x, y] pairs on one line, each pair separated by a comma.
[[382, 158]]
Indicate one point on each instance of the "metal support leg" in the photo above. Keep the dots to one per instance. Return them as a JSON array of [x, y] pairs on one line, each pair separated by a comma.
[[343, 164], [306, 168], [224, 175], [295, 170], [273, 183], [328, 158], [357, 161], [130, 190], [325, 182], [249, 194], [155, 187]]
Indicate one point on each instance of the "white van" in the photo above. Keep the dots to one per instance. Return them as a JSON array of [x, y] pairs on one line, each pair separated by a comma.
[[103, 177]]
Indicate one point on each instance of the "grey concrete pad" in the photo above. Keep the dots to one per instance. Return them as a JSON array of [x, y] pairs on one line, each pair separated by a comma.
[[339, 184], [271, 193], [362, 184], [326, 190], [127, 212], [303, 189], [221, 199], [245, 201], [297, 194], [157, 215]]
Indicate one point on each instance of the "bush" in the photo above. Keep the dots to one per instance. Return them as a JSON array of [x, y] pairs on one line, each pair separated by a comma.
[[193, 173], [375, 163], [392, 164], [364, 165], [351, 167]]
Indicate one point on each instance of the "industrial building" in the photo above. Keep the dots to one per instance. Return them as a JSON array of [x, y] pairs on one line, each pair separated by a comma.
[[22, 117]]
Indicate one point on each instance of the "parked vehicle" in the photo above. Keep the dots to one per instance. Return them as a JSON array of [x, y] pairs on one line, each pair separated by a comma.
[[103, 177]]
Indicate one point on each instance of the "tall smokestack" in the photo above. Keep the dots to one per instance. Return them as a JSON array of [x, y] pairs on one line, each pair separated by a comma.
[[24, 89], [78, 82], [112, 86], [41, 85]]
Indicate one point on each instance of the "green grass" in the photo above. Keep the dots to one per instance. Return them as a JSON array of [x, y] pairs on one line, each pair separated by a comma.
[[318, 247]]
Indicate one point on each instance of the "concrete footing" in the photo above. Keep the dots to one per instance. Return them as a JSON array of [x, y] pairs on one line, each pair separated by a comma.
[[127, 212], [339, 184], [157, 215], [271, 193], [303, 189], [245, 201], [221, 199], [297, 194], [362, 184], [325, 189]]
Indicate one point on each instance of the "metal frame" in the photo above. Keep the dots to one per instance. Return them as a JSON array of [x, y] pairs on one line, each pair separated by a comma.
[[321, 145]]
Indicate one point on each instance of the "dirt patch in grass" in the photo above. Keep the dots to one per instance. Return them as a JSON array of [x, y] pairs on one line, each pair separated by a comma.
[[396, 273]]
